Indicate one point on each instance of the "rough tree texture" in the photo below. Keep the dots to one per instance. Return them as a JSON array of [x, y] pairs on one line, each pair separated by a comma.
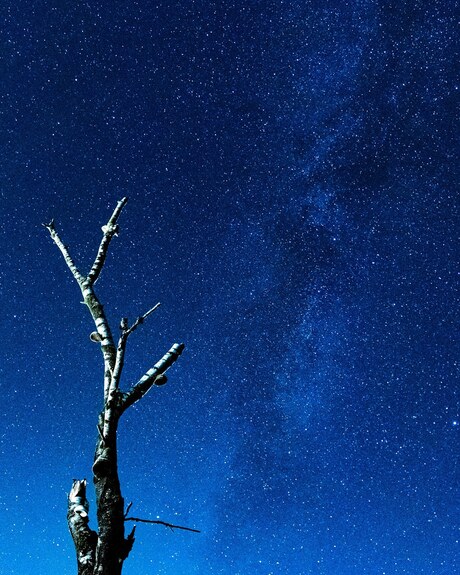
[[104, 552]]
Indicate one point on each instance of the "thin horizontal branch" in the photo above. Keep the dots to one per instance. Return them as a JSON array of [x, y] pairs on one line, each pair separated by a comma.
[[65, 252], [109, 230], [146, 382], [158, 522]]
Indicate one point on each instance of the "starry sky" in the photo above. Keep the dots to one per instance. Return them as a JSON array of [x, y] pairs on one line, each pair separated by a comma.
[[290, 170]]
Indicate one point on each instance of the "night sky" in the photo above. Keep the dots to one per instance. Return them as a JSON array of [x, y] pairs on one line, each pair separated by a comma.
[[290, 170]]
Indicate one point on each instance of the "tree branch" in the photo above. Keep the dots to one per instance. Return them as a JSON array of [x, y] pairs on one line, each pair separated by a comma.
[[109, 230], [141, 319], [130, 504], [158, 522], [65, 252], [112, 394], [146, 382], [125, 333], [128, 544], [103, 329], [91, 300]]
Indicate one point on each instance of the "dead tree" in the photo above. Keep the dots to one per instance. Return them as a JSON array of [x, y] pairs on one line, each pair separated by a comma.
[[104, 552]]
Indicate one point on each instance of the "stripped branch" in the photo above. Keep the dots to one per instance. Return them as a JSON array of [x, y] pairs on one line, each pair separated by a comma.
[[109, 230], [153, 376], [141, 319], [91, 300], [65, 252], [158, 522], [103, 329]]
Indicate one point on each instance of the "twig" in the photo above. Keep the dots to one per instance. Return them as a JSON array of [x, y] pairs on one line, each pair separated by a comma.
[[158, 522], [141, 319], [130, 504]]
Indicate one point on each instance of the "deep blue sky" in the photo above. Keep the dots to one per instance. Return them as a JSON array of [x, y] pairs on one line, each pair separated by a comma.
[[290, 169]]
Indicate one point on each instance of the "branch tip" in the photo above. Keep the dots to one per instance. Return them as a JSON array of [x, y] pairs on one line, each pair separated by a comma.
[[124, 322], [50, 225]]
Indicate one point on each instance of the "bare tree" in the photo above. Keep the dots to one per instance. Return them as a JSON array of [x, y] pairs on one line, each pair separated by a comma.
[[104, 552]]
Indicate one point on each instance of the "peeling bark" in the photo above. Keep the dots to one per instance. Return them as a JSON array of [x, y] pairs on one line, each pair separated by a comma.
[[84, 538], [104, 552]]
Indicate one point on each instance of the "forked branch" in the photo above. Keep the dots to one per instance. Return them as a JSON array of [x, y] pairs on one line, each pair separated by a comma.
[[104, 335]]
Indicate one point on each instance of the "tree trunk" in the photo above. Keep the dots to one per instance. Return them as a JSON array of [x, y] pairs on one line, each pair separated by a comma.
[[111, 548], [104, 552]]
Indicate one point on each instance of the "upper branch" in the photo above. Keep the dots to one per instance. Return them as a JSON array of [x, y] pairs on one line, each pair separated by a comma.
[[68, 260], [125, 333], [140, 319], [152, 376], [90, 299], [109, 230]]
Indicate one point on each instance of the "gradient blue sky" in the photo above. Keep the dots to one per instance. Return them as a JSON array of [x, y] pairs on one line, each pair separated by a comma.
[[290, 168]]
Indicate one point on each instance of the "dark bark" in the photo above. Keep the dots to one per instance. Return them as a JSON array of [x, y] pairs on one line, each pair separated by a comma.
[[110, 512]]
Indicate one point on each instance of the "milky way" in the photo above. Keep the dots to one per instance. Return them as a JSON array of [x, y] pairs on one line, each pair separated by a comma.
[[290, 174]]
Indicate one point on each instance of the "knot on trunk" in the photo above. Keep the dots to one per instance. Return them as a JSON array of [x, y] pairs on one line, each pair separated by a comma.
[[104, 461]]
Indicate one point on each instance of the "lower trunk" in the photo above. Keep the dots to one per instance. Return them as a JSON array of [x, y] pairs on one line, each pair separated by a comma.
[[101, 553], [111, 550]]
